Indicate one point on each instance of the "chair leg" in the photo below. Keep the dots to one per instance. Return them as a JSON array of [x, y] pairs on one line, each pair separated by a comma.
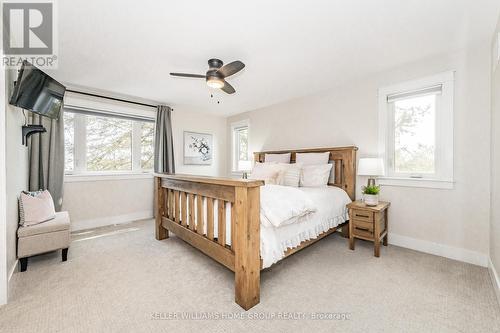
[[24, 264], [65, 254]]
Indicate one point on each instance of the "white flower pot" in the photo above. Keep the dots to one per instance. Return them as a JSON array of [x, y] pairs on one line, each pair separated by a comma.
[[371, 199]]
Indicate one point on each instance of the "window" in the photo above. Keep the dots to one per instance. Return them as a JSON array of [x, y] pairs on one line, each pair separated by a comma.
[[414, 135], [103, 144], [108, 144], [69, 142], [416, 132], [241, 158], [147, 145]]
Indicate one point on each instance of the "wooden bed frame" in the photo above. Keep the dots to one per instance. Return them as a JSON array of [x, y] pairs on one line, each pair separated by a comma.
[[179, 208]]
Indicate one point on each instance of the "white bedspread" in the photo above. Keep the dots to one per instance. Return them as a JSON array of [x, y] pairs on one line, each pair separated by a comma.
[[330, 203], [331, 211], [282, 205]]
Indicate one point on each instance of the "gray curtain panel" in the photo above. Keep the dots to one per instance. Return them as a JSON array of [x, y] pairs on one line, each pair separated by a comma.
[[164, 143], [46, 158]]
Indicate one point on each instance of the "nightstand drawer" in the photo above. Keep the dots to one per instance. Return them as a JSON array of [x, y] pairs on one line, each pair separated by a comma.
[[362, 215], [363, 229]]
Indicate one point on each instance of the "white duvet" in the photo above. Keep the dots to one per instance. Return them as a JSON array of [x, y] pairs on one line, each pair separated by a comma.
[[282, 205], [330, 202], [329, 205]]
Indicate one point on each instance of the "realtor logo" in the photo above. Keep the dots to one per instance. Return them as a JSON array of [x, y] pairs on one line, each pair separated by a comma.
[[28, 33]]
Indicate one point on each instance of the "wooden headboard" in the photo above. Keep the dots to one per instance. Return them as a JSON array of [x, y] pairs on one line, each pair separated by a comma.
[[344, 159]]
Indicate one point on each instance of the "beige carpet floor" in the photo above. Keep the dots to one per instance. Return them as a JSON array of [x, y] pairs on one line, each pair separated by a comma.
[[120, 279]]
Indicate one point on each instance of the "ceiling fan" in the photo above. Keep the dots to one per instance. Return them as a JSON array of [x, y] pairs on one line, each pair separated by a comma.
[[217, 73]]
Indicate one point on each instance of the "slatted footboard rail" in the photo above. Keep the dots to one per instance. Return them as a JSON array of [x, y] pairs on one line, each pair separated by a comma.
[[194, 209]]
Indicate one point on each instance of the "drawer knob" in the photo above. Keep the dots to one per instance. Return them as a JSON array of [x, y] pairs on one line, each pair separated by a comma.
[[363, 229]]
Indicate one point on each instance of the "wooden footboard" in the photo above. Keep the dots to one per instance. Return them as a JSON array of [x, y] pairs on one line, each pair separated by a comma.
[[194, 208], [185, 205]]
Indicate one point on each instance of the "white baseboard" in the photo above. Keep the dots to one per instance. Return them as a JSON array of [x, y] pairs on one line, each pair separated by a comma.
[[494, 279], [455, 253], [110, 220], [12, 269]]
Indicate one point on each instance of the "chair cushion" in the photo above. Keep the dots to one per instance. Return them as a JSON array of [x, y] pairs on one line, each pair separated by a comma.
[[59, 223]]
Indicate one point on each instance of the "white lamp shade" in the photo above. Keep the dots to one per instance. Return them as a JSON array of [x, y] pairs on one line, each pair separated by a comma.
[[371, 167], [244, 165]]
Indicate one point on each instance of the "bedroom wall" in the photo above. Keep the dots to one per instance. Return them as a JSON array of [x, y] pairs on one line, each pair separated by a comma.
[[454, 223], [495, 161], [187, 118], [96, 202], [3, 192], [16, 171]]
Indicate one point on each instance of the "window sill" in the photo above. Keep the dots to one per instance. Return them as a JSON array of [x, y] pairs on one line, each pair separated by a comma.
[[240, 172], [417, 182], [92, 177]]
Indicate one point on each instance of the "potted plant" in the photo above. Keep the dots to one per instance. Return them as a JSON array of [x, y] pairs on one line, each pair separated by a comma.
[[370, 194]]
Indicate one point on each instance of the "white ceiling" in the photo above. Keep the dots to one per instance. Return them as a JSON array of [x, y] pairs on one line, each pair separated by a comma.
[[290, 48]]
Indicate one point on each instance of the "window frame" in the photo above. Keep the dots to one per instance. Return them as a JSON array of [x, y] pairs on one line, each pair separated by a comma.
[[235, 147], [443, 177], [80, 173]]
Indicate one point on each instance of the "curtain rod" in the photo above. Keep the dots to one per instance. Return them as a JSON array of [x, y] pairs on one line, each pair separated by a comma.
[[113, 98]]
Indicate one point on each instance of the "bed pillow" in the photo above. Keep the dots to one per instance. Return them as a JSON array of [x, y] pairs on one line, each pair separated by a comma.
[[315, 175], [268, 172], [279, 158], [35, 207], [312, 158], [289, 174]]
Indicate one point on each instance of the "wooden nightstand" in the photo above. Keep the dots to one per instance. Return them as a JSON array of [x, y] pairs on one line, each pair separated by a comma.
[[369, 223]]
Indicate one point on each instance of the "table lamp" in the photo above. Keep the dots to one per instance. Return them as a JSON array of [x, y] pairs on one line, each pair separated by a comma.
[[245, 167], [371, 167]]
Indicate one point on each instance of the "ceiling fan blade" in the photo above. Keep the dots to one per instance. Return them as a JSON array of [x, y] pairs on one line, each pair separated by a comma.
[[231, 68], [227, 88], [199, 76]]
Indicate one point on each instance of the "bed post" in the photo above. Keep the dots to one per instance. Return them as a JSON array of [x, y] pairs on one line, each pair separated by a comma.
[[160, 231], [247, 246]]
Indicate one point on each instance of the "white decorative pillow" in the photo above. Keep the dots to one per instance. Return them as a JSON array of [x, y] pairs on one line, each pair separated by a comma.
[[315, 175], [279, 158], [21, 208], [312, 158], [268, 172], [290, 174], [35, 207]]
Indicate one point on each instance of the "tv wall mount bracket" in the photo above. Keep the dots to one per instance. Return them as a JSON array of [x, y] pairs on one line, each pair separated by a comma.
[[29, 130]]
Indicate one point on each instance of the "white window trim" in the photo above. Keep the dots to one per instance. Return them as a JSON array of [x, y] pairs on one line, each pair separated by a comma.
[[234, 160], [92, 177], [444, 155], [416, 182], [103, 105], [79, 172]]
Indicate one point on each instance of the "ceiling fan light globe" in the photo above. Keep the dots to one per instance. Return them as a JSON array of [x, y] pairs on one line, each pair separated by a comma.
[[215, 83]]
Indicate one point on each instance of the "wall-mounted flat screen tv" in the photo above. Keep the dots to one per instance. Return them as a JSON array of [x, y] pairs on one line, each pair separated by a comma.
[[37, 92]]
